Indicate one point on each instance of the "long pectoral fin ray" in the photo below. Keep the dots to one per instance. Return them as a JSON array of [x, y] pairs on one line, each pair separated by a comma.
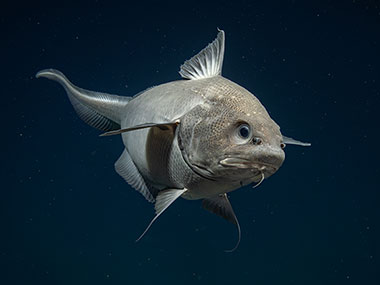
[[142, 126], [287, 140], [221, 206], [163, 200]]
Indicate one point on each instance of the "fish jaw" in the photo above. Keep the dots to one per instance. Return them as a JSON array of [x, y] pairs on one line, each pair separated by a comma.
[[245, 164]]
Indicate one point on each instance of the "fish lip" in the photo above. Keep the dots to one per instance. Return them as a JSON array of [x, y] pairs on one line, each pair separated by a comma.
[[244, 163]]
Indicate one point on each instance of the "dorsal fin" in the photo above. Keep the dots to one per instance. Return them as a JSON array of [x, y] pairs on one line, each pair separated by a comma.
[[207, 63]]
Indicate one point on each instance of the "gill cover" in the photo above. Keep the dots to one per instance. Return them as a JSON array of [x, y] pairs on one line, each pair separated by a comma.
[[200, 140]]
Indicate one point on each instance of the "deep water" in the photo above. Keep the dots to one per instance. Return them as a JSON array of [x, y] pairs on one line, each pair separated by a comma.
[[66, 217]]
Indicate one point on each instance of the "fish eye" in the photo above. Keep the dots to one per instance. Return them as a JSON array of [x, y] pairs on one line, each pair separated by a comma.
[[244, 131]]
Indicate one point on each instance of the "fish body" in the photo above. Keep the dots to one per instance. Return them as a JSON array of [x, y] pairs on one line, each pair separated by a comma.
[[196, 138], [190, 102]]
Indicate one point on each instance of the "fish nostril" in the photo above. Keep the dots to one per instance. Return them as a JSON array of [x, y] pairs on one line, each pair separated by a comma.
[[256, 141]]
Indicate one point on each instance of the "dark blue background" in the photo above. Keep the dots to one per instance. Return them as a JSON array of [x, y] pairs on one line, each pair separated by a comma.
[[68, 218]]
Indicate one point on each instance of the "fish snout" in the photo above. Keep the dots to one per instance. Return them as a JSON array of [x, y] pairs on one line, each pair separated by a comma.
[[270, 159]]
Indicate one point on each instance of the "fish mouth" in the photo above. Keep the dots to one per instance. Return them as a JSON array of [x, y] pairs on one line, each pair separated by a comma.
[[243, 163]]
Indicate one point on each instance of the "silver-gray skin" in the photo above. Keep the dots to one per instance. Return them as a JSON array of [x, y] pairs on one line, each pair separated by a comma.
[[198, 138], [206, 153]]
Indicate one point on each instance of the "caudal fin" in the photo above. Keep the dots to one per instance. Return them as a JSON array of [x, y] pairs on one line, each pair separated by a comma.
[[100, 110]]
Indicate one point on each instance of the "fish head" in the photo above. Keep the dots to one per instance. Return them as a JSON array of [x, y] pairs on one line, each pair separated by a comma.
[[231, 137]]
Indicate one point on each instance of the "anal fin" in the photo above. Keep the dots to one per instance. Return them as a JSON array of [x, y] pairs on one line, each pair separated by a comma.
[[163, 200], [221, 206], [126, 168]]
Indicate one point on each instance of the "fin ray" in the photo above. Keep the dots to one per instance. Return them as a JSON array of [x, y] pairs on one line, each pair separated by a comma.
[[287, 140], [91, 117], [207, 63], [221, 206], [138, 127], [125, 167], [100, 110], [163, 200]]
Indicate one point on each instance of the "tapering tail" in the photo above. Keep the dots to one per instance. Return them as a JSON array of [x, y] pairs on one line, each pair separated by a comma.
[[100, 110]]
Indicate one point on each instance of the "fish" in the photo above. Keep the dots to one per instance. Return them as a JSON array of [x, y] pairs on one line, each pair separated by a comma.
[[197, 138]]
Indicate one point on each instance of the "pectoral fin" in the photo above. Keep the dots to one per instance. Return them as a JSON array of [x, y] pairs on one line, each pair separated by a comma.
[[125, 167], [142, 126], [287, 140], [221, 206], [163, 200]]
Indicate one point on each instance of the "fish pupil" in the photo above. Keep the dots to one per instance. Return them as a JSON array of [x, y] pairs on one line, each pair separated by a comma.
[[244, 131]]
